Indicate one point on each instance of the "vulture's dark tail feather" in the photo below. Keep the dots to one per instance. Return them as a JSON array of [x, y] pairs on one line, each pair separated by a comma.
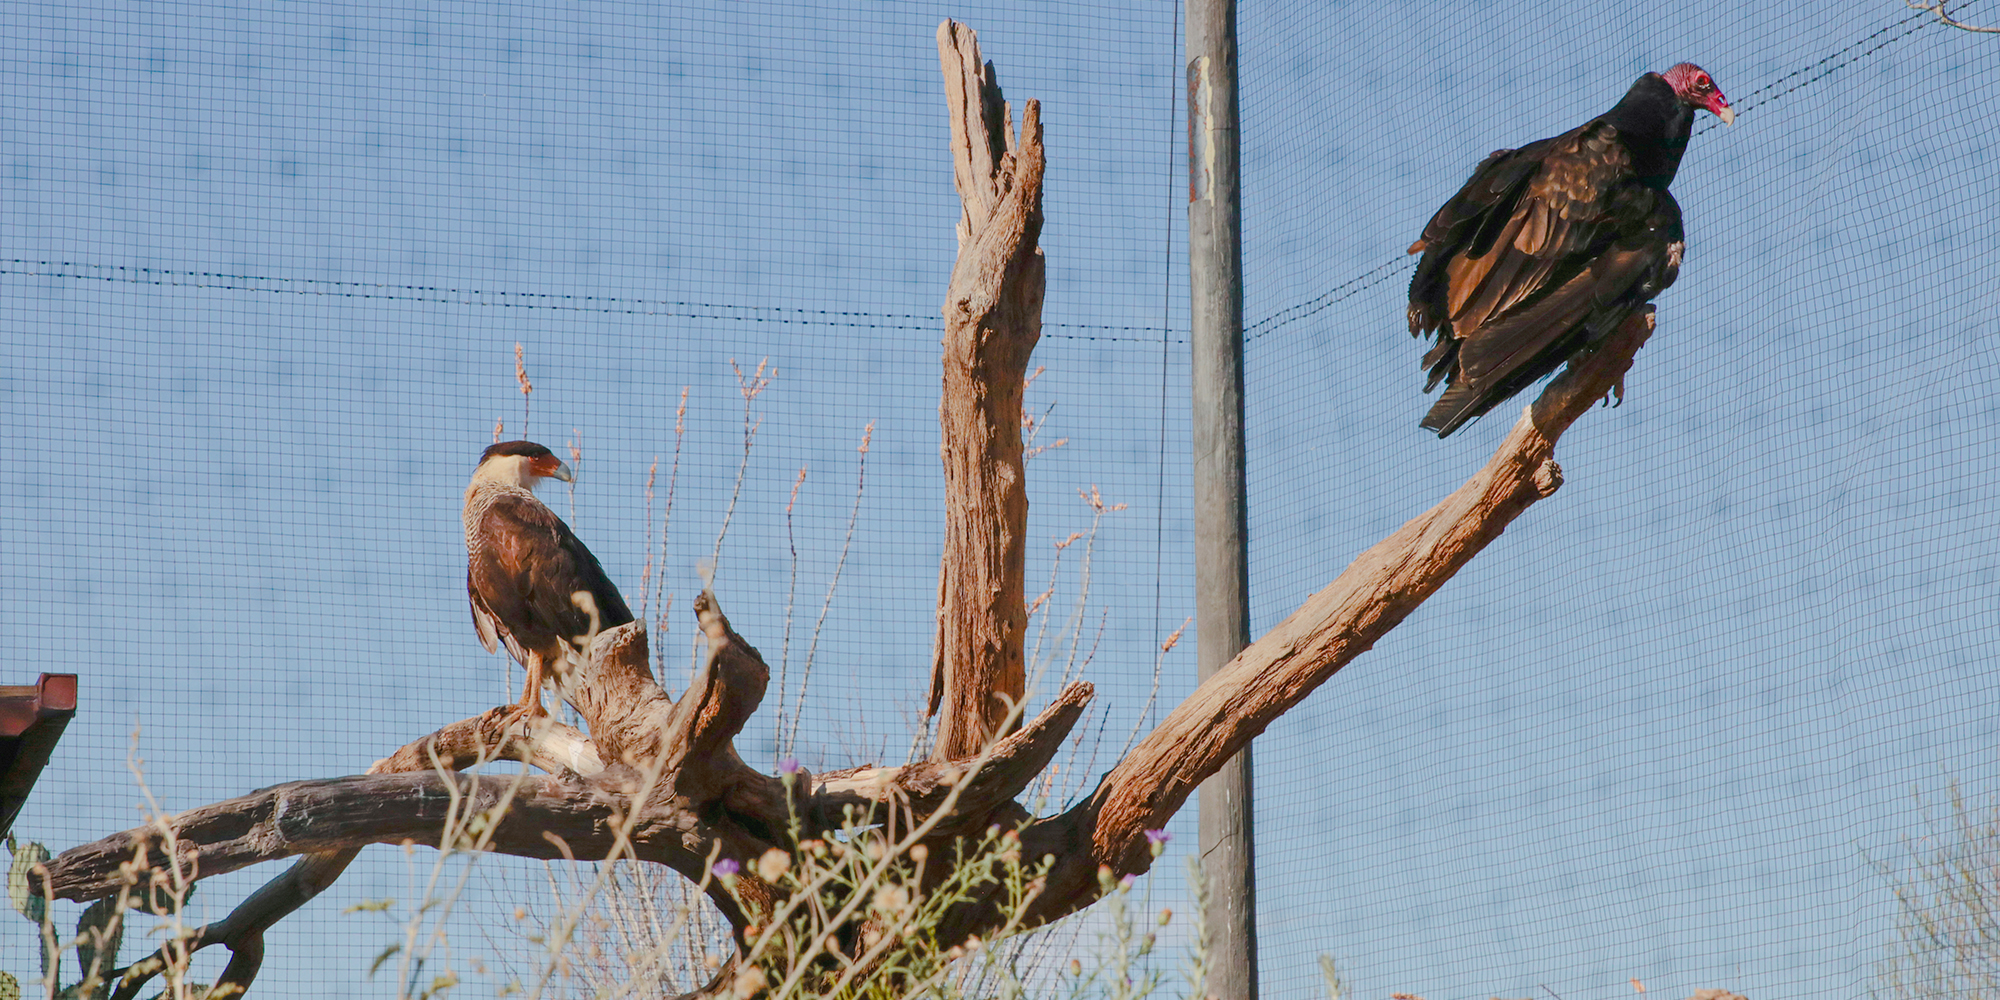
[[1459, 404]]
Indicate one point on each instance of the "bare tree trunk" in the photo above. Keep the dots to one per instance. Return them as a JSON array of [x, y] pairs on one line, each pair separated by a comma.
[[993, 317]]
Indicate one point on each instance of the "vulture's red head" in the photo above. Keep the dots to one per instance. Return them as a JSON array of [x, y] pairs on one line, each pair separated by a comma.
[[521, 463], [1697, 89]]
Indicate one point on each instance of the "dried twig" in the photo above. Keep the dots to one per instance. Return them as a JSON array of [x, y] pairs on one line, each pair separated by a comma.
[[1937, 7], [750, 387], [812, 649]]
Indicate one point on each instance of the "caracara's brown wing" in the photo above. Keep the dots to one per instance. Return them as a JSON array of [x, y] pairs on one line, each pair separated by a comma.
[[483, 618], [523, 575], [1547, 249]]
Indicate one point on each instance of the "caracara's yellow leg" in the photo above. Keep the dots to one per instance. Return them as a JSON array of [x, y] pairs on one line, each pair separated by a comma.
[[530, 707]]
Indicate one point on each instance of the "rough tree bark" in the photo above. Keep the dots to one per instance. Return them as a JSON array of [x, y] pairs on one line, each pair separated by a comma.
[[658, 779], [992, 319]]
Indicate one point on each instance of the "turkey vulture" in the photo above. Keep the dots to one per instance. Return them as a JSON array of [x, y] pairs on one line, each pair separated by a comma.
[[532, 584], [1550, 247]]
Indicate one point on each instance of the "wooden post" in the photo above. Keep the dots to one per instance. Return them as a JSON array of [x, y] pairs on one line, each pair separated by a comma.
[[1221, 558]]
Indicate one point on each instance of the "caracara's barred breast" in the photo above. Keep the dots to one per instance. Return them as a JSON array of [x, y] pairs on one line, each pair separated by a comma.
[[479, 498], [531, 582]]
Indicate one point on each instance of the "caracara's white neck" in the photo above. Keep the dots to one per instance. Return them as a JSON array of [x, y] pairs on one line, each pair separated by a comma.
[[506, 470], [497, 477]]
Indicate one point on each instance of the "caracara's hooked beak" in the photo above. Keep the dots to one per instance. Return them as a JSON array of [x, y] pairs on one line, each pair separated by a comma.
[[561, 471]]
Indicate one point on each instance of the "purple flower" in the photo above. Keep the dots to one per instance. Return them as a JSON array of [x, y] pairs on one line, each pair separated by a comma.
[[1127, 881], [1158, 836], [726, 868], [789, 765]]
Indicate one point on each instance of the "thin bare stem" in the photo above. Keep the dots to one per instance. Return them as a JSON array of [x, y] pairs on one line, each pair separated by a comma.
[[791, 596], [1153, 696], [576, 465], [463, 832], [620, 848], [521, 379], [1041, 604], [812, 648], [646, 574], [890, 857], [660, 598], [173, 884], [750, 387], [1031, 425], [1099, 509]]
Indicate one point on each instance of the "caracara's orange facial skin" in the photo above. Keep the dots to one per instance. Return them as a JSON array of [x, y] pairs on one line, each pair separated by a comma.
[[546, 467]]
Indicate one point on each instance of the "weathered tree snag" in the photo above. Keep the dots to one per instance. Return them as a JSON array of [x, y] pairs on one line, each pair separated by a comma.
[[993, 317], [617, 696], [546, 745], [1009, 767], [304, 817], [659, 780], [679, 822]]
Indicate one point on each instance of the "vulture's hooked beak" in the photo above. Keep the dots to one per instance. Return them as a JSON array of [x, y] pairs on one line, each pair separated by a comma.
[[1724, 112]]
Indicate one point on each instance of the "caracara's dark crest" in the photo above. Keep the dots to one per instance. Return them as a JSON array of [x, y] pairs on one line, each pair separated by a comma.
[[528, 449], [1550, 247], [532, 584]]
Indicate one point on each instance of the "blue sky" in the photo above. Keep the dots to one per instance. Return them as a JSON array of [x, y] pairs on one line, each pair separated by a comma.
[[266, 266]]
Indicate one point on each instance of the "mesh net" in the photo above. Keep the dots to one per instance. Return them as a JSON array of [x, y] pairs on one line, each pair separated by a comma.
[[1657, 730], [266, 268]]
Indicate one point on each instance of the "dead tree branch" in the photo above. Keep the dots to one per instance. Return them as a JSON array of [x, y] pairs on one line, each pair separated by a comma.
[[548, 745], [1346, 618], [993, 318]]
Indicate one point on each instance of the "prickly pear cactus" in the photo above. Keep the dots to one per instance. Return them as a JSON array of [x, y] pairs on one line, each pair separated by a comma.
[[98, 937], [20, 890], [98, 931], [159, 899]]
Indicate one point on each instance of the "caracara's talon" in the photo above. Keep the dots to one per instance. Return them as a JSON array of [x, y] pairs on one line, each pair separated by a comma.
[[524, 713]]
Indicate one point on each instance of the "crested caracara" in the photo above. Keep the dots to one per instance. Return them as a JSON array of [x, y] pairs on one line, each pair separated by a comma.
[[533, 585]]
